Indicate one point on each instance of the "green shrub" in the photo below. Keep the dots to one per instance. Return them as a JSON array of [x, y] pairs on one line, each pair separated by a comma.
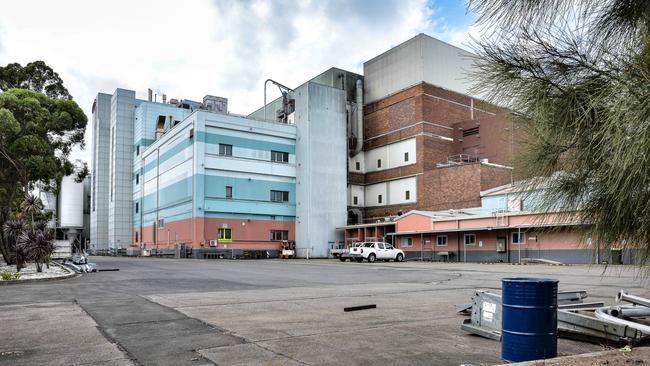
[[8, 276]]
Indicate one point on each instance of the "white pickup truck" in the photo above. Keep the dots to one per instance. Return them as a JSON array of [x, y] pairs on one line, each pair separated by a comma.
[[375, 250]]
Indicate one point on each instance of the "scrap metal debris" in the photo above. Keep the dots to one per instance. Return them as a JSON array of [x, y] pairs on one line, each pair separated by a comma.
[[587, 321]]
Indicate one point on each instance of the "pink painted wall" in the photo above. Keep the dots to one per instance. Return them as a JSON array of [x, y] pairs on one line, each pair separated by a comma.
[[246, 234], [414, 222]]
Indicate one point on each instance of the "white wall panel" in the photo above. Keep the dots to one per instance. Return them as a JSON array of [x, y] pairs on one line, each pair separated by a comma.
[[397, 191], [372, 194], [356, 191]]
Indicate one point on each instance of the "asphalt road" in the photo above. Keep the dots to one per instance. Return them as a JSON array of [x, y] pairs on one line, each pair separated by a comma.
[[195, 312]]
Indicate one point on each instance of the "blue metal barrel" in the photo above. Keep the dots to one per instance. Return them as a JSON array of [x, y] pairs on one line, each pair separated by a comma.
[[529, 319]]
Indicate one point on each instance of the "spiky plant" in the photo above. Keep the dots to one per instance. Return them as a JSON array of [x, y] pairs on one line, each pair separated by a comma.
[[576, 74], [37, 245], [31, 205], [13, 229]]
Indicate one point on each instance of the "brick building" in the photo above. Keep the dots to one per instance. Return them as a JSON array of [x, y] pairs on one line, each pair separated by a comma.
[[428, 142]]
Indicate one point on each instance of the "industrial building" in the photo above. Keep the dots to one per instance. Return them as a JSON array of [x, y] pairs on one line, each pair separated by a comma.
[[341, 149], [69, 208], [507, 227]]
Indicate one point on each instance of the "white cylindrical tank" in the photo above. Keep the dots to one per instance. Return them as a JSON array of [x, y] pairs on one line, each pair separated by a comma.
[[71, 203]]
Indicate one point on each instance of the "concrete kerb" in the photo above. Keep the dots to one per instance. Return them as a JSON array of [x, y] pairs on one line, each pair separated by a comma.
[[70, 274], [581, 358]]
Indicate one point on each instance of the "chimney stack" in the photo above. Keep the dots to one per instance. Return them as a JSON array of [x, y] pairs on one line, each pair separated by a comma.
[[150, 94]]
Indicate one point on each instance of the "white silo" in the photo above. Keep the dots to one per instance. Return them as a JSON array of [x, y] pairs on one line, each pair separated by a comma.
[[71, 203]]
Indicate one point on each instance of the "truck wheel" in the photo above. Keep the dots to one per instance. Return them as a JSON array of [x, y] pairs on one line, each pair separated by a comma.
[[399, 257], [342, 259], [371, 258], [359, 259]]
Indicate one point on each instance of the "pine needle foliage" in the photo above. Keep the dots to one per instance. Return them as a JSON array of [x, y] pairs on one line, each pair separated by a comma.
[[576, 75]]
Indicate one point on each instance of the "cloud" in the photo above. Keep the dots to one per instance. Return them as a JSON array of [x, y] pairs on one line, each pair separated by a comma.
[[192, 48]]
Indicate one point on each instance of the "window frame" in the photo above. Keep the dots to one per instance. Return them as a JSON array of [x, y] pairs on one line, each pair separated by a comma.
[[227, 150], [512, 238], [379, 198], [355, 200], [283, 235], [229, 192], [438, 237], [408, 239], [406, 156], [465, 236], [276, 153], [378, 163], [407, 195], [275, 193], [357, 165], [137, 207], [224, 235]]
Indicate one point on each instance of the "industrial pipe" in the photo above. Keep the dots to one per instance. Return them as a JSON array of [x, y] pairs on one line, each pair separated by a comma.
[[602, 314], [359, 130], [629, 311], [624, 296], [280, 86]]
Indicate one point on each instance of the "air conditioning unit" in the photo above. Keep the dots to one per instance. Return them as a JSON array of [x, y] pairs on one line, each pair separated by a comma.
[[213, 243]]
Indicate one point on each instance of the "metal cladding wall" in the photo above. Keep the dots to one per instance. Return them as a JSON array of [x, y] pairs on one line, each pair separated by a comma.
[[321, 171], [120, 187], [99, 176], [184, 180], [71, 203], [422, 58]]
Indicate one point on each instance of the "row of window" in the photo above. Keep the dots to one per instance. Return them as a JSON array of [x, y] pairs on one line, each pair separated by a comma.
[[407, 196], [276, 156], [469, 240], [225, 234], [276, 196], [358, 164]]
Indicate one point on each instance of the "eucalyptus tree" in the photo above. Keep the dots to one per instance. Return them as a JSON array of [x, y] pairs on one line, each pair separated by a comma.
[[38, 130]]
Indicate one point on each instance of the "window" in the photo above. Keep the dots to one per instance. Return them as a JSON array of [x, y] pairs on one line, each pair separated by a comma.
[[137, 150], [137, 207], [407, 195], [355, 200], [389, 247], [441, 240], [225, 150], [136, 237], [380, 245], [378, 163], [228, 192], [279, 196], [137, 178], [406, 242], [519, 238], [225, 235], [379, 199], [279, 235], [406, 156], [470, 239], [161, 223], [279, 156], [358, 165]]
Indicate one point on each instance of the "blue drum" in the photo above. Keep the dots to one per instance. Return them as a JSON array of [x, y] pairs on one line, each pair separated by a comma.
[[529, 319]]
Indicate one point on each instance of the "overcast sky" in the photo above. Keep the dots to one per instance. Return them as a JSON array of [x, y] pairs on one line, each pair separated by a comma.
[[187, 49]]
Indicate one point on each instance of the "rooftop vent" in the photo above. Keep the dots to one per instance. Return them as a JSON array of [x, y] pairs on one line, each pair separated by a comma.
[[215, 104]]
